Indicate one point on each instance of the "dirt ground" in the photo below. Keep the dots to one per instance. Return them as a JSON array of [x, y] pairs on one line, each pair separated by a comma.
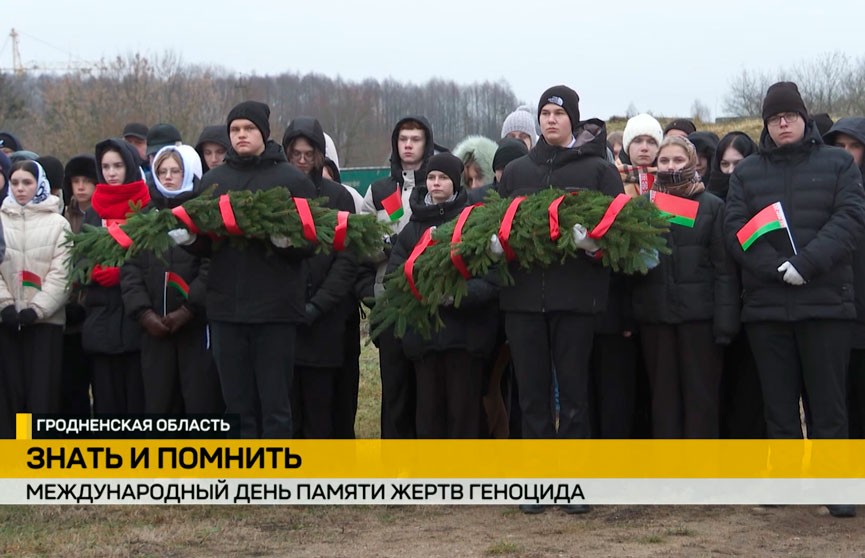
[[427, 532]]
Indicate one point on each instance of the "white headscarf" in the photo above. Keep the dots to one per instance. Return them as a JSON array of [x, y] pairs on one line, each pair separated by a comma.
[[43, 188], [191, 164]]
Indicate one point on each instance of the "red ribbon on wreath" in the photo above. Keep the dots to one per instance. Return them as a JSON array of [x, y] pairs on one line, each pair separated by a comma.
[[615, 207], [119, 235], [306, 221], [505, 228], [340, 231], [425, 241], [456, 258], [183, 217], [227, 213]]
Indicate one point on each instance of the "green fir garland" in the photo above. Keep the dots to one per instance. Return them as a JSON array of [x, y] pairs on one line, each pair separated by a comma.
[[637, 230], [259, 215]]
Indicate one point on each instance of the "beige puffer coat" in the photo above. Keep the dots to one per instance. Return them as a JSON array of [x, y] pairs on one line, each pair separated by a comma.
[[35, 236]]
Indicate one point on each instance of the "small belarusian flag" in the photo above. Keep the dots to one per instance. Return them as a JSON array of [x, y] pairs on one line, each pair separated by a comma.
[[30, 279], [681, 211], [174, 280], [393, 205], [770, 218]]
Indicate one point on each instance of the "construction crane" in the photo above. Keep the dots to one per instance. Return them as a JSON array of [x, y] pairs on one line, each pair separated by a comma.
[[19, 69]]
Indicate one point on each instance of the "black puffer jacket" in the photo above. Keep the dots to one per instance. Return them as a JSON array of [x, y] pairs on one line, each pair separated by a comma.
[[257, 282], [579, 285], [330, 278], [471, 327], [697, 281], [821, 192], [107, 329], [142, 278], [855, 128]]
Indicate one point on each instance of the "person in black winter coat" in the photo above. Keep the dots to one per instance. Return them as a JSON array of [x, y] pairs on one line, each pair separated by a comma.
[[165, 295], [706, 143], [255, 293], [798, 303], [449, 367], [549, 312], [688, 306], [79, 183], [320, 367], [388, 199], [108, 334], [741, 398], [849, 134]]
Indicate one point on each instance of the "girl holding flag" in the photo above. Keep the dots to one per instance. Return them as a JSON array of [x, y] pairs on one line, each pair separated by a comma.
[[166, 296], [33, 290], [687, 307]]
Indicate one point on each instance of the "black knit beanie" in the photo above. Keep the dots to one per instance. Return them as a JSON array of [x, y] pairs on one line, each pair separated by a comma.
[[681, 124], [565, 97], [509, 149], [254, 111], [450, 165], [783, 97]]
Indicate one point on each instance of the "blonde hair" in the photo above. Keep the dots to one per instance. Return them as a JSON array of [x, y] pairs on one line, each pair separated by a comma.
[[171, 153]]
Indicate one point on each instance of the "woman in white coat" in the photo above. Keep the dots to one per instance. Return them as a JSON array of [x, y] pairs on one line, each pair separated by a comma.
[[33, 291]]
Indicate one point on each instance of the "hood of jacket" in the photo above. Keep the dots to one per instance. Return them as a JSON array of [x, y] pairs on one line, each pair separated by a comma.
[[127, 153], [271, 155], [853, 126], [310, 129], [591, 141], [482, 150], [429, 148]]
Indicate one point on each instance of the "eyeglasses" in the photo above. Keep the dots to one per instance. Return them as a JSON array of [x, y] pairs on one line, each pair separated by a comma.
[[790, 117], [163, 173], [298, 155]]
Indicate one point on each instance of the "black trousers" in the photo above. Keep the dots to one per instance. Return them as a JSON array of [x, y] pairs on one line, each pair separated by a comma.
[[76, 377], [398, 389], [613, 376], [32, 368], [685, 367], [313, 402], [118, 388], [741, 397], [449, 392], [256, 364], [538, 342], [179, 374], [856, 393], [348, 382], [813, 354]]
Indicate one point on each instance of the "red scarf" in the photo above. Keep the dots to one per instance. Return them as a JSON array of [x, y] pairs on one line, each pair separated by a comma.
[[112, 202]]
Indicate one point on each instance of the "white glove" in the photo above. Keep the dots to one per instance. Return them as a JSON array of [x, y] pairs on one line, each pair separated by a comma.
[[280, 241], [181, 237], [496, 246], [583, 240], [650, 257], [791, 275], [446, 300]]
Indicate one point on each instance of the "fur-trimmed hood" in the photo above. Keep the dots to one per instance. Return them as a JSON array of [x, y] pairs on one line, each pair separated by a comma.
[[481, 150]]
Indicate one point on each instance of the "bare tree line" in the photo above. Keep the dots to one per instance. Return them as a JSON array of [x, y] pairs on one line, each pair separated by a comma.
[[832, 83], [67, 114]]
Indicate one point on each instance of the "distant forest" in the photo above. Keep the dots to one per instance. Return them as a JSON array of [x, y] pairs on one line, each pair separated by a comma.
[[63, 115]]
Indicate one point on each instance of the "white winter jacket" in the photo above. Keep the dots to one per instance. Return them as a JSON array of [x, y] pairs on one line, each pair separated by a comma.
[[35, 243]]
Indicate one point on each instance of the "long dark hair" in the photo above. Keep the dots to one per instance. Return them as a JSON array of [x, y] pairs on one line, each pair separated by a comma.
[[741, 142]]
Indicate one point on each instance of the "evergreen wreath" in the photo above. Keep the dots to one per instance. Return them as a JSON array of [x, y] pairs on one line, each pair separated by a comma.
[[638, 230], [237, 217]]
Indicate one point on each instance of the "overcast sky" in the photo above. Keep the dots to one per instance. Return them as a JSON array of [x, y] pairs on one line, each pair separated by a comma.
[[659, 55]]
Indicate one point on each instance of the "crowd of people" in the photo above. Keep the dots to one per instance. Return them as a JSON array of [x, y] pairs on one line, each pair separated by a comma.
[[721, 338]]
